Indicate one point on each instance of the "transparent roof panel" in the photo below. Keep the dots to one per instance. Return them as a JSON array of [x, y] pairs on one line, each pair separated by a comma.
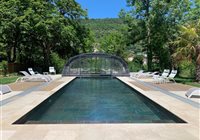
[[95, 64]]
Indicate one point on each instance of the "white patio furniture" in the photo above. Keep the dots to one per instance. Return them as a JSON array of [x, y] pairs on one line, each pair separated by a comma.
[[161, 79], [30, 70], [148, 74], [193, 92], [4, 89], [135, 74], [171, 76], [166, 77], [52, 70], [32, 78]]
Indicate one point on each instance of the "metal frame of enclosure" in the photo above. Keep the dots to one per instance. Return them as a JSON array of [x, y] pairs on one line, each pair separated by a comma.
[[95, 64]]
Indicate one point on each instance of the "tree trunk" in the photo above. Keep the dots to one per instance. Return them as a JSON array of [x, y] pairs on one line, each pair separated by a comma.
[[12, 47], [46, 53], [198, 73], [198, 64], [149, 58], [8, 51], [149, 48], [11, 54]]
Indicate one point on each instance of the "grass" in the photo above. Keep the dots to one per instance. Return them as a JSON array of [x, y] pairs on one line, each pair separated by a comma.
[[187, 81], [193, 84], [7, 80]]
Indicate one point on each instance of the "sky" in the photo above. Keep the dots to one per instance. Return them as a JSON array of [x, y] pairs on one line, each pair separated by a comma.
[[103, 8]]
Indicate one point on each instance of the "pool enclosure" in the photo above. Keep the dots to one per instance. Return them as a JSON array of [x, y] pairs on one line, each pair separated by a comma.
[[95, 64]]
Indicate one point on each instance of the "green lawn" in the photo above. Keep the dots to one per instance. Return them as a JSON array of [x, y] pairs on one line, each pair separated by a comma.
[[7, 80], [187, 81], [193, 84]]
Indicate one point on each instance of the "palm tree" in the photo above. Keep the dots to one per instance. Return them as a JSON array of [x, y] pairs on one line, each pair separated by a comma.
[[188, 45]]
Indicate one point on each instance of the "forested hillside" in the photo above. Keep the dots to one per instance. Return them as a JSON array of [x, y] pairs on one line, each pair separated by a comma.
[[101, 27]]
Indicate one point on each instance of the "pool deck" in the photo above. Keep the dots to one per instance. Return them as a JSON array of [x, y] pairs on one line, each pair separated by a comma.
[[17, 103]]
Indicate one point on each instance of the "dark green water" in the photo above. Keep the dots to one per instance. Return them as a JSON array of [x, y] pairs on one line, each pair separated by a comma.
[[98, 100]]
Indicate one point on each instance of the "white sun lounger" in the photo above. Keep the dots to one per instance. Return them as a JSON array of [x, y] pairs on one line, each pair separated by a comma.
[[161, 79], [135, 74], [32, 78], [193, 92], [30, 70], [52, 70], [4, 89], [171, 76], [166, 79], [148, 74]]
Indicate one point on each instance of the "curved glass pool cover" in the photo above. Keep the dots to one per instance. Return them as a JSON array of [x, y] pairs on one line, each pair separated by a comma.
[[95, 64]]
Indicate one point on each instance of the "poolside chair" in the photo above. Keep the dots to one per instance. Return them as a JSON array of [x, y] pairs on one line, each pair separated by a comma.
[[171, 76], [193, 92], [52, 70], [161, 79], [4, 89], [30, 70], [148, 74], [135, 74], [32, 78], [166, 79]]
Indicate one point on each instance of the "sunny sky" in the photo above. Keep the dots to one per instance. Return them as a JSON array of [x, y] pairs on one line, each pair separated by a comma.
[[103, 8]]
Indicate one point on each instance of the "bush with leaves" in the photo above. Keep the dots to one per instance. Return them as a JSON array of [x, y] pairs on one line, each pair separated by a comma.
[[57, 62], [136, 64], [4, 66], [187, 69]]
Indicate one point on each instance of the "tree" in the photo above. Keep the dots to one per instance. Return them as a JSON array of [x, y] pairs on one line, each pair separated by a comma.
[[188, 45], [31, 30], [152, 24], [114, 43], [10, 29], [141, 11]]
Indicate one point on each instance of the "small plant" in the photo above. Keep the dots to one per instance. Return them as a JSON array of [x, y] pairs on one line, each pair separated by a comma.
[[5, 67], [187, 69]]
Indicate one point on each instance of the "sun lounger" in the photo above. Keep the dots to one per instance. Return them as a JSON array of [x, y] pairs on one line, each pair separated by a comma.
[[135, 74], [193, 92], [171, 76], [166, 79], [147, 74], [52, 70], [161, 79], [4, 89], [32, 78], [30, 70]]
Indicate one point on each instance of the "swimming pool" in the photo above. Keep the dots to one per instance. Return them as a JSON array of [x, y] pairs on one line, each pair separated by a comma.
[[98, 100]]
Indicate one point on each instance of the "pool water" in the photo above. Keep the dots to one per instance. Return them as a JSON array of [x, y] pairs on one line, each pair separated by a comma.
[[98, 100]]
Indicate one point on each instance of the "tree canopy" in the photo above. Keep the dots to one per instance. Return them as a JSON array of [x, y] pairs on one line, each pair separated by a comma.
[[31, 30], [156, 24]]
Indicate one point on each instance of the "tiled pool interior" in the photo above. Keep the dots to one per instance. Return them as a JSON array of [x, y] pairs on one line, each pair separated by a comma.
[[98, 100]]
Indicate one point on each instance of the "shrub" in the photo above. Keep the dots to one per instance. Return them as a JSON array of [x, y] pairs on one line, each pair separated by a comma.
[[138, 59], [134, 67], [4, 66], [57, 62], [136, 64], [186, 69]]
